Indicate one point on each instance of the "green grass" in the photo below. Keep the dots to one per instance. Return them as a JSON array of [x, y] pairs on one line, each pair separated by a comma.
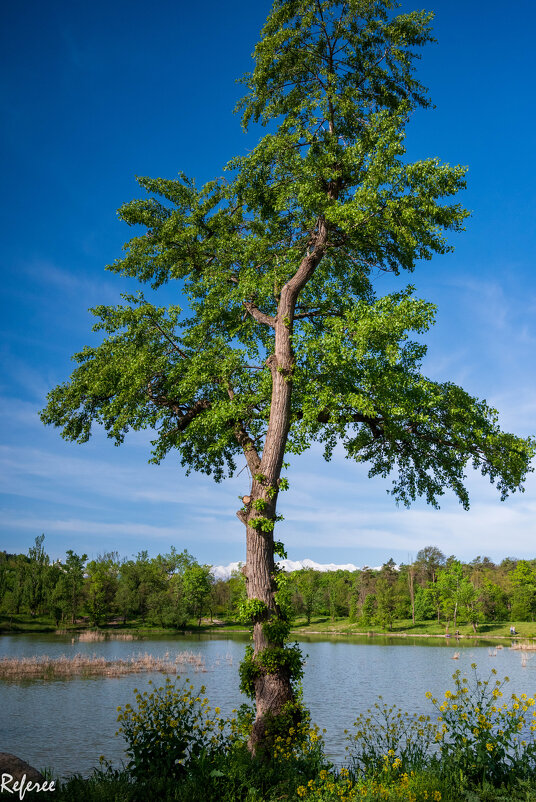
[[343, 626], [25, 622], [323, 625], [236, 781]]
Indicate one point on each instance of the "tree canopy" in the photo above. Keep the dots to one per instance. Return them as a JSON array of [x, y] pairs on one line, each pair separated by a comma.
[[280, 339], [330, 185]]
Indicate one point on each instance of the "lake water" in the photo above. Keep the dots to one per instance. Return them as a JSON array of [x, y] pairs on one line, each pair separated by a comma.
[[67, 724]]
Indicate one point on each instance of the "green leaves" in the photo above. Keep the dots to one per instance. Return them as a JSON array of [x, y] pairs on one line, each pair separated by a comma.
[[270, 661], [335, 62], [328, 189]]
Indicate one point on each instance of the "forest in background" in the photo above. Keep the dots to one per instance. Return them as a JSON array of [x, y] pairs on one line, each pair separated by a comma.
[[174, 591]]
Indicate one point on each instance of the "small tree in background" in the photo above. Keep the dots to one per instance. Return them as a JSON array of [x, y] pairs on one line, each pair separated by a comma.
[[70, 588], [35, 576], [284, 341]]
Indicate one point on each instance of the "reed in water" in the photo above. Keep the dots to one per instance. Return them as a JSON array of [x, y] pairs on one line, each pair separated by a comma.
[[45, 667]]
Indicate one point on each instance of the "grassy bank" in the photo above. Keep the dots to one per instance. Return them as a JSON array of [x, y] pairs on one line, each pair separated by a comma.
[[318, 626], [344, 626], [27, 624]]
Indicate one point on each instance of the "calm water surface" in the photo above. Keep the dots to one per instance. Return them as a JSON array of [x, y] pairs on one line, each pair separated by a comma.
[[67, 724]]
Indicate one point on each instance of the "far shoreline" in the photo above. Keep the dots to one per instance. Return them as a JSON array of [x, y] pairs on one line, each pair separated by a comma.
[[21, 625]]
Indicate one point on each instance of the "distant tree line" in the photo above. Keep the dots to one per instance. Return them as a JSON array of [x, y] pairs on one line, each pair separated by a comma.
[[167, 590], [171, 590]]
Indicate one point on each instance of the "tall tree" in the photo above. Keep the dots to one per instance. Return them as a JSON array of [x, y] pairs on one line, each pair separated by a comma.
[[102, 583], [35, 576], [411, 572], [197, 587], [308, 585], [523, 580], [385, 595], [428, 562], [285, 342], [71, 585]]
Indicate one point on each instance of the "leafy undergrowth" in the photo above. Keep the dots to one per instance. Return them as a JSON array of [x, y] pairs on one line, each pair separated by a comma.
[[477, 745]]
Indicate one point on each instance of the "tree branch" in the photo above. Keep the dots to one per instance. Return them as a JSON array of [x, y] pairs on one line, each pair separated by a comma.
[[185, 415], [259, 316], [246, 442], [168, 338]]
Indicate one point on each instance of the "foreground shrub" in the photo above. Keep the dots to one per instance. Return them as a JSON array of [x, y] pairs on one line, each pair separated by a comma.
[[171, 727], [481, 737], [388, 738], [181, 749], [389, 784]]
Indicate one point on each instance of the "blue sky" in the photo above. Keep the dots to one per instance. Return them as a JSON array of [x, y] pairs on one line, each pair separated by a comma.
[[93, 95]]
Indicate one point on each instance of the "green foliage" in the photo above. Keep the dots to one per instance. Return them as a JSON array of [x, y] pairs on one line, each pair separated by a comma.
[[368, 609], [425, 609], [196, 587], [288, 658], [262, 523], [482, 737], [102, 584], [251, 610], [279, 549], [34, 582], [385, 602], [276, 630], [273, 659], [171, 726], [307, 584], [389, 784], [387, 737], [248, 672], [283, 595], [72, 583], [524, 591]]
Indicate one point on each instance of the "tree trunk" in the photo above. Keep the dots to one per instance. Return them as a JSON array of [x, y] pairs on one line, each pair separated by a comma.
[[272, 689]]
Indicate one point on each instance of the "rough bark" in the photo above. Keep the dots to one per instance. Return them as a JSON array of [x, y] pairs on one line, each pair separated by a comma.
[[273, 690]]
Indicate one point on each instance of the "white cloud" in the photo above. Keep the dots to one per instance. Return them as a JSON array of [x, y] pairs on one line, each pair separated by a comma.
[[16, 412], [135, 482], [81, 526], [73, 282]]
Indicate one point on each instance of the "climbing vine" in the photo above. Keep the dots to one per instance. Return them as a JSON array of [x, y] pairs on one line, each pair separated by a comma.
[[271, 660], [252, 610]]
